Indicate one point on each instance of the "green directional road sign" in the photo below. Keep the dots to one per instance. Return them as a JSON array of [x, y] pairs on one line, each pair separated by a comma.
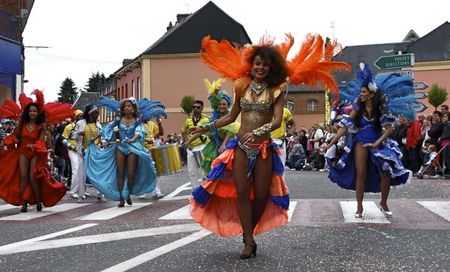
[[394, 61], [419, 106], [420, 85]]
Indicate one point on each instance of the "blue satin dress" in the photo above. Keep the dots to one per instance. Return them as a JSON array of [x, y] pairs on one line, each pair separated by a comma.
[[384, 159], [100, 163]]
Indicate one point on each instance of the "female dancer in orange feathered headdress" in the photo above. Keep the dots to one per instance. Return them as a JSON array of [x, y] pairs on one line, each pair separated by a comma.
[[245, 191], [24, 177]]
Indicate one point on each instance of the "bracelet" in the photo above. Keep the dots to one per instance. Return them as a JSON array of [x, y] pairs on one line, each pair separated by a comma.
[[263, 130]]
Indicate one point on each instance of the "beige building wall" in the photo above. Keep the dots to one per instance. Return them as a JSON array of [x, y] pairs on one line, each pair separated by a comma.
[[169, 78], [433, 73]]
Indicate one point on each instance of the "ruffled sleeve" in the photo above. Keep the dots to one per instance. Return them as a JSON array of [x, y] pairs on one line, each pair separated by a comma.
[[387, 119], [140, 131], [107, 131], [347, 122]]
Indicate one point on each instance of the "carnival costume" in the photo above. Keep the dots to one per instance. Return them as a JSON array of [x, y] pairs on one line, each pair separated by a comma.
[[214, 203], [51, 191], [100, 162], [398, 97], [211, 150]]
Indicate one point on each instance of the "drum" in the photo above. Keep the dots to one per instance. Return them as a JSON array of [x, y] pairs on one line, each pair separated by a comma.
[[167, 159], [198, 155]]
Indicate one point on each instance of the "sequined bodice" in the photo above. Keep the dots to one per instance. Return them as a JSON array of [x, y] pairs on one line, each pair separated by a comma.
[[263, 101]]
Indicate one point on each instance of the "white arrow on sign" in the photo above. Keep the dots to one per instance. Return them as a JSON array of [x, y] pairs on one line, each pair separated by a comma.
[[420, 85], [420, 95], [419, 106]]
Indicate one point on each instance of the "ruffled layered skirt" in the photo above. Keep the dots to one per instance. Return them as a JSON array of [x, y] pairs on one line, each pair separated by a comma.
[[214, 202], [101, 169], [51, 191], [385, 159]]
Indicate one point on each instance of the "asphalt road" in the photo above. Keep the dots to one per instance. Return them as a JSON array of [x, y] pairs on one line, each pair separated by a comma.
[[157, 235]]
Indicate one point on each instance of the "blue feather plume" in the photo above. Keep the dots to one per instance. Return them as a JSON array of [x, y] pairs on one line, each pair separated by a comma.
[[110, 104], [151, 109]]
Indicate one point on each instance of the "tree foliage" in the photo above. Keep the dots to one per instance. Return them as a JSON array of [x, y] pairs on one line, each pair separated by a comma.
[[437, 95], [186, 104], [67, 91], [95, 82]]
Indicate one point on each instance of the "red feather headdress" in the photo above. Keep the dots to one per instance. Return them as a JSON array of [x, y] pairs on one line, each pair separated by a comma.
[[54, 111]]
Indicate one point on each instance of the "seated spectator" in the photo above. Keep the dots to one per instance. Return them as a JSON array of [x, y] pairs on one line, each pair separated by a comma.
[[428, 164]]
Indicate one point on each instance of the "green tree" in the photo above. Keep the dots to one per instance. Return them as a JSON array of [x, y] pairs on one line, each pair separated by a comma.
[[95, 82], [67, 91], [186, 104], [437, 96]]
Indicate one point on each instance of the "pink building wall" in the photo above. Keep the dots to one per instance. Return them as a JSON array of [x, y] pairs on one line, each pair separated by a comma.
[[173, 78], [440, 77], [128, 84]]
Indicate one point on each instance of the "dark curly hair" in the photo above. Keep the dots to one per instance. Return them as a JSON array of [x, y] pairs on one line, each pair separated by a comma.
[[136, 112], [26, 114], [377, 101], [278, 69]]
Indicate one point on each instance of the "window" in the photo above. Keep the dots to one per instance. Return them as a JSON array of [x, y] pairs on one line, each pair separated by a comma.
[[290, 105], [312, 105], [133, 89]]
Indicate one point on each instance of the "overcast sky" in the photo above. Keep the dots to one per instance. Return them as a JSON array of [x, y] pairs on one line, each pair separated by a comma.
[[86, 36]]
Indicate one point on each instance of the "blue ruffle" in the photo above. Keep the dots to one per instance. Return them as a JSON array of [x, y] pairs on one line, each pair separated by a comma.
[[386, 119], [216, 172], [347, 122], [201, 196], [281, 201]]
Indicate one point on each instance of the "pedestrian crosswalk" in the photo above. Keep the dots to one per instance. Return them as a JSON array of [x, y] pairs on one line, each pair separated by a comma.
[[300, 212]]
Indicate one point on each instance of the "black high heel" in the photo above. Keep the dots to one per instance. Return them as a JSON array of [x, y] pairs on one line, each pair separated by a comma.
[[24, 207], [121, 203], [251, 254], [39, 206], [129, 202]]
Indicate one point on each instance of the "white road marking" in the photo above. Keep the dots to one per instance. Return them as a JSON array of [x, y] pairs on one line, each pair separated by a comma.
[[292, 205], [371, 214], [98, 238], [138, 260], [8, 249], [182, 213], [30, 215], [109, 213], [178, 190], [441, 208], [8, 207]]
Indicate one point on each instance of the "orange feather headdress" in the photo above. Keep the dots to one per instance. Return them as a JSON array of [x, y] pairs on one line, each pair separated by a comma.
[[312, 65]]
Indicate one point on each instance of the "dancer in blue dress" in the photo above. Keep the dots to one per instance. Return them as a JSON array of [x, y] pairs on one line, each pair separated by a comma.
[[370, 161], [124, 167]]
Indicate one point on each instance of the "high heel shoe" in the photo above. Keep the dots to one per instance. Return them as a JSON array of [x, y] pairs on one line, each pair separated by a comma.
[[24, 207], [121, 203], [388, 214], [247, 255], [39, 206], [129, 202], [358, 215]]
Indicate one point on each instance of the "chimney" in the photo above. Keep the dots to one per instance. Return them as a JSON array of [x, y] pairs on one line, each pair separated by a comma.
[[170, 26], [181, 18]]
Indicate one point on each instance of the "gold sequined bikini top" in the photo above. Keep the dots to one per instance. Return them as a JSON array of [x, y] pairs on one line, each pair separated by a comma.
[[264, 101]]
